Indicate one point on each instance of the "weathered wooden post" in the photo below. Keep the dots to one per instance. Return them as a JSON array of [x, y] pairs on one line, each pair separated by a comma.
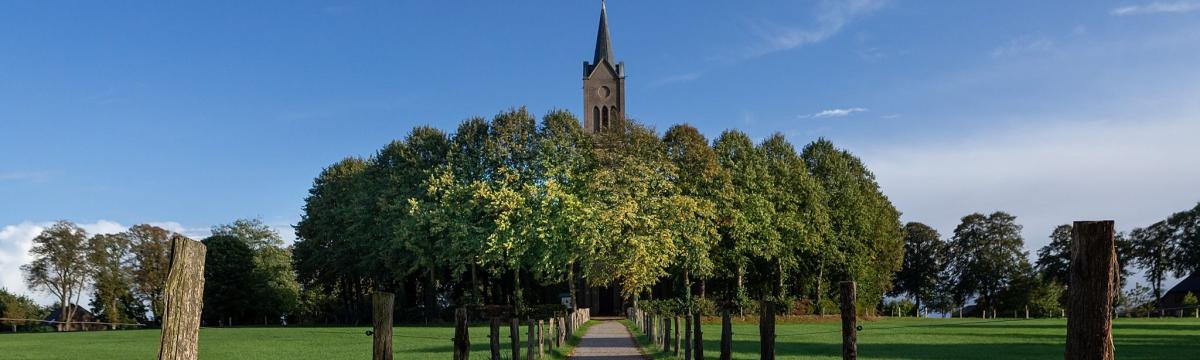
[[381, 318], [462, 337], [698, 349], [678, 339], [766, 330], [494, 334], [849, 321], [541, 340], [183, 298], [726, 335], [1093, 286], [531, 340], [687, 334], [666, 344], [514, 334]]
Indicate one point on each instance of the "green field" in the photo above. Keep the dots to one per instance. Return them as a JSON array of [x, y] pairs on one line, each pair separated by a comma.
[[884, 339]]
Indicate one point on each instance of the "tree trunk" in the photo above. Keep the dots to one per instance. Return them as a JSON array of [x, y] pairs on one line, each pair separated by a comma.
[[530, 340], [1093, 287], [515, 336], [571, 284], [184, 299], [687, 334]]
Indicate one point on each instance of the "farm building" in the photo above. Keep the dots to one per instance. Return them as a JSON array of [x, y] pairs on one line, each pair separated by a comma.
[[1173, 299], [81, 315]]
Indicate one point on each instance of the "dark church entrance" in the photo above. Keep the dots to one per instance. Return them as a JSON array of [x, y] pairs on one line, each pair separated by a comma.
[[604, 301]]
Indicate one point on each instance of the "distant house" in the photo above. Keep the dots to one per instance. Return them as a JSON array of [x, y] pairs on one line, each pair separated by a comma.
[[1173, 299], [78, 320]]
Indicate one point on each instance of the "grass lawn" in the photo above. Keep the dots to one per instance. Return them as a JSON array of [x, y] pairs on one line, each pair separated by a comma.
[[958, 339], [884, 339], [290, 343]]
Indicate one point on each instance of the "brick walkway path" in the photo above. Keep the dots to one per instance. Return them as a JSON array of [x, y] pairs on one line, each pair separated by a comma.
[[608, 340]]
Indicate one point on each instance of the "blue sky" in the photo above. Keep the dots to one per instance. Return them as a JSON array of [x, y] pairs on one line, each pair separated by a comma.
[[189, 115]]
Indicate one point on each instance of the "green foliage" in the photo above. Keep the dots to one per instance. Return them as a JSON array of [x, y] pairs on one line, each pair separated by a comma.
[[271, 278], [14, 306], [229, 281], [60, 264], [925, 260], [986, 253], [113, 299]]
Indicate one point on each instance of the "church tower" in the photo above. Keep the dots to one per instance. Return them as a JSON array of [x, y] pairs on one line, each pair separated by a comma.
[[603, 83]]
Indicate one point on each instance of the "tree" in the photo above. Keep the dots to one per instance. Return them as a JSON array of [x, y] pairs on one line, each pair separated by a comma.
[[1190, 302], [151, 248], [113, 301], [866, 241], [333, 235], [985, 254], [700, 178], [924, 262], [1187, 241], [1155, 252], [229, 280], [14, 306], [60, 265], [276, 289], [801, 218], [745, 211], [1054, 259]]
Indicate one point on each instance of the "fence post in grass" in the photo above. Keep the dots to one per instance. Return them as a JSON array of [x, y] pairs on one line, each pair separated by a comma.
[[1093, 285], [666, 344], [849, 321], [514, 334], [531, 339], [766, 330], [698, 348], [183, 298], [1026, 312], [726, 335], [495, 337], [381, 318], [541, 340], [462, 339], [687, 334]]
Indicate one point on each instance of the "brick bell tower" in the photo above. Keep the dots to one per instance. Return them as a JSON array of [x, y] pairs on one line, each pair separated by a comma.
[[603, 83]]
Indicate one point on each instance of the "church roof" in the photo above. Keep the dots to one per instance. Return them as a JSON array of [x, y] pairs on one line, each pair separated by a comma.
[[1187, 285], [603, 44]]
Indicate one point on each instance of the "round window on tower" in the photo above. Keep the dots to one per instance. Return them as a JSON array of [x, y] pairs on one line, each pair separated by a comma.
[[603, 91]]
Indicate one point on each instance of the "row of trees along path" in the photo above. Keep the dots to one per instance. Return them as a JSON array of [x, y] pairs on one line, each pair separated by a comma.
[[1093, 269]]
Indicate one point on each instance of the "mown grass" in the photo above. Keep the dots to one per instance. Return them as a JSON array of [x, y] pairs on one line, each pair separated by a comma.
[[883, 339], [912, 338]]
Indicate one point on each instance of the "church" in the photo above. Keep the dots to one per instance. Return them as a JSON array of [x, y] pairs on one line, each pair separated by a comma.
[[603, 106]]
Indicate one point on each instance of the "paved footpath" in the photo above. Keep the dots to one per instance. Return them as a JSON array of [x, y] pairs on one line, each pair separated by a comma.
[[608, 340]]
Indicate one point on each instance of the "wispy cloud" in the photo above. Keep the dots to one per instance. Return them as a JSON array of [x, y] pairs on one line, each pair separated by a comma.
[[31, 176], [1157, 7], [832, 113], [678, 78], [831, 17], [1025, 44]]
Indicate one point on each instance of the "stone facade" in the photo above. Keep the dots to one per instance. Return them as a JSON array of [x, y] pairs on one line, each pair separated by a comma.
[[603, 84]]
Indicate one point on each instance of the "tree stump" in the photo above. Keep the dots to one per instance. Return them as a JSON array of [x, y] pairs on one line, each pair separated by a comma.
[[183, 297], [381, 317], [849, 321], [1093, 287]]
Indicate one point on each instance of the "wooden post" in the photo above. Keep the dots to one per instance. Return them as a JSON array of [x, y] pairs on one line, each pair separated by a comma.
[[849, 321], [666, 344], [514, 334], [687, 334], [726, 335], [698, 348], [495, 337], [462, 339], [678, 339], [381, 317], [541, 340], [1093, 286], [530, 340], [183, 298], [766, 330]]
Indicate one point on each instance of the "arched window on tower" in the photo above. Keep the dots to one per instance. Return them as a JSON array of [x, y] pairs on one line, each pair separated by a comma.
[[614, 113], [596, 119], [604, 113]]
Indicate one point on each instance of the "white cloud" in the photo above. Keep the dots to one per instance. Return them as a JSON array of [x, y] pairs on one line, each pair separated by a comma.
[[1157, 7], [831, 113], [1135, 173], [831, 17]]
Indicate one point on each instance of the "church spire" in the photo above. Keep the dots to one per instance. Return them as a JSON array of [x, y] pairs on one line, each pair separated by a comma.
[[603, 44]]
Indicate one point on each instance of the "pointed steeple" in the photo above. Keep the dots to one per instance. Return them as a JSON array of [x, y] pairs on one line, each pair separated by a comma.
[[603, 44]]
